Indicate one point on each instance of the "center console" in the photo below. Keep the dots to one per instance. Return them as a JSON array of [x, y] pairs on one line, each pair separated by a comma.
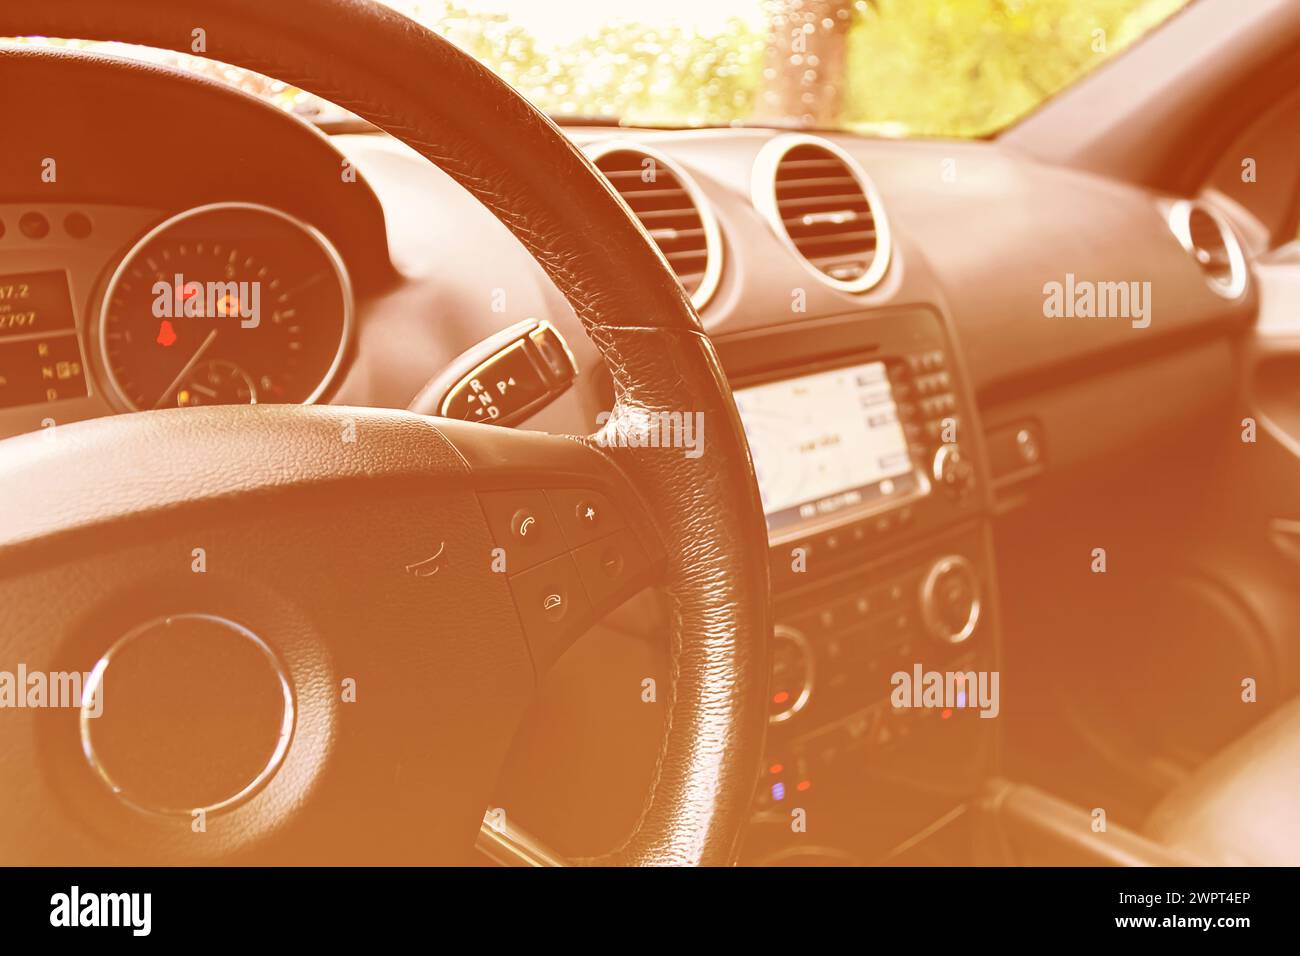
[[870, 465]]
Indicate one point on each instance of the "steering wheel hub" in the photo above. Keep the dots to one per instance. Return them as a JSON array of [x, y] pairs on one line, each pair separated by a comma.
[[201, 715]]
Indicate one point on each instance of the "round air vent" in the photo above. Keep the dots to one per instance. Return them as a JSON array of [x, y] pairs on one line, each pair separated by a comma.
[[825, 208], [673, 210], [1208, 238]]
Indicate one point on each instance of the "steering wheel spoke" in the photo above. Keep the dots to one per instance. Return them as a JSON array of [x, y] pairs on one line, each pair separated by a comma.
[[569, 531]]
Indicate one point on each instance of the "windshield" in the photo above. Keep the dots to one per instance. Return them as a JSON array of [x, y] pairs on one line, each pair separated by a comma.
[[891, 67], [935, 68]]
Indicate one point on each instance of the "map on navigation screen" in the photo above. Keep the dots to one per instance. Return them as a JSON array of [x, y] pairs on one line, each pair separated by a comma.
[[825, 442]]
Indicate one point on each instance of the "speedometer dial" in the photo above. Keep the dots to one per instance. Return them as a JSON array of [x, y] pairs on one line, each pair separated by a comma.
[[231, 303]]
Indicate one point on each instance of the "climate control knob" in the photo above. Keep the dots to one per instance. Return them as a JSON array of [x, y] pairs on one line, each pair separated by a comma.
[[950, 599], [792, 674]]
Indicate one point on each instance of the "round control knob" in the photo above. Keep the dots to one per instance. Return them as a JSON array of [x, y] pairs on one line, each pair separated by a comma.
[[950, 599], [951, 471], [792, 674]]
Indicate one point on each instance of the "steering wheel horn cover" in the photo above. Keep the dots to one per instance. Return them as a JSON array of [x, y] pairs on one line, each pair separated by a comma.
[[186, 668], [245, 472]]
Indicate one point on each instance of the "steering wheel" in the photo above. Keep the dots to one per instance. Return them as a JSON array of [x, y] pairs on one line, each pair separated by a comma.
[[310, 632]]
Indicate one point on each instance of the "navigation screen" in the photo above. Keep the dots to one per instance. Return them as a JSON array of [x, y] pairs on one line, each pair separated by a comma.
[[825, 443]]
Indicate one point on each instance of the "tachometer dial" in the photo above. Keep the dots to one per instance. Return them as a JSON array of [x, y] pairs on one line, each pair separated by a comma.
[[231, 303]]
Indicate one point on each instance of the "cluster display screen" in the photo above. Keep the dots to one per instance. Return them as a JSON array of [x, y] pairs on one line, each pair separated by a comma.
[[40, 354], [825, 443], [34, 302]]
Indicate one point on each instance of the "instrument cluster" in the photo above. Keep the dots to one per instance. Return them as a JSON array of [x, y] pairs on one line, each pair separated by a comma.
[[225, 303]]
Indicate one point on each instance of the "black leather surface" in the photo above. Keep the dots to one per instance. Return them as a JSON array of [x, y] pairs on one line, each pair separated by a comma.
[[717, 583], [163, 461], [1242, 808], [422, 90], [442, 671]]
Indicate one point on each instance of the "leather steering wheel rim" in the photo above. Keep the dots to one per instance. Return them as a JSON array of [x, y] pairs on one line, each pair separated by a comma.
[[419, 88]]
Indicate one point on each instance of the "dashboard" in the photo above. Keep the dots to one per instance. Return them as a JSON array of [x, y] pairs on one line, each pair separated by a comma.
[[878, 306], [406, 271]]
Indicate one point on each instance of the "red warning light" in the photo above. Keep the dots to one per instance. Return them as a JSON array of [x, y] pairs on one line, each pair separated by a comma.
[[803, 785], [776, 768], [166, 334], [780, 697], [947, 712]]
